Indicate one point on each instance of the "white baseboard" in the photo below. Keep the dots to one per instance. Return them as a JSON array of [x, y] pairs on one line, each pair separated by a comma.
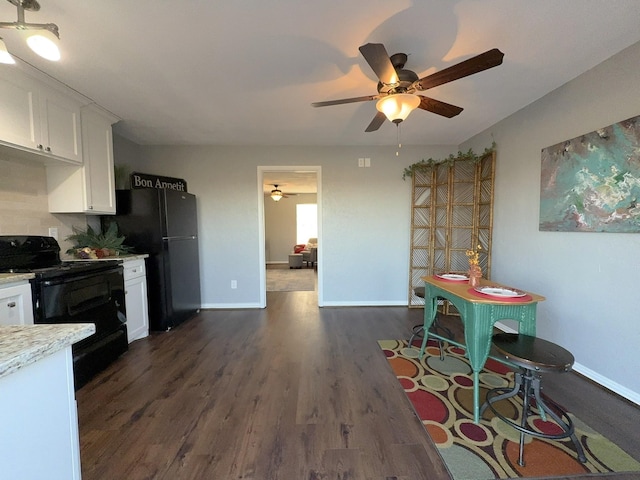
[[591, 375], [388, 303], [220, 306]]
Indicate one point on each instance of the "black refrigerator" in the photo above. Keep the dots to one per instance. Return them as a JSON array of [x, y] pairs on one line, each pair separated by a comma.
[[163, 223]]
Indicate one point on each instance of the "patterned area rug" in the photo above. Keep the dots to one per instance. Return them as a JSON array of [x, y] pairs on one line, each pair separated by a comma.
[[441, 392], [291, 279]]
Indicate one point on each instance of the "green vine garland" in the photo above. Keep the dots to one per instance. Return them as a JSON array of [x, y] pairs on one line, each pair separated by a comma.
[[423, 164]]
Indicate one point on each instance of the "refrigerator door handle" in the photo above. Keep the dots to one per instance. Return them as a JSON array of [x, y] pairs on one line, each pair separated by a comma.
[[188, 237]]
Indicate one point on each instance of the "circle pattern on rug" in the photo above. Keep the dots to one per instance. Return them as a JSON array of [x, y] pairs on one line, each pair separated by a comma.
[[464, 463], [476, 434], [429, 406], [441, 392], [409, 384], [463, 381], [449, 365], [411, 352], [432, 382], [440, 435], [493, 380], [403, 367]]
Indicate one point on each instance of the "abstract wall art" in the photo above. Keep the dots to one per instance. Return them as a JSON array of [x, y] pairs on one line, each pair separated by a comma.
[[591, 183]]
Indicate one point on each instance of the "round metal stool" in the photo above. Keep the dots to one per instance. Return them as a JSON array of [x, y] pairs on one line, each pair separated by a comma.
[[533, 356]]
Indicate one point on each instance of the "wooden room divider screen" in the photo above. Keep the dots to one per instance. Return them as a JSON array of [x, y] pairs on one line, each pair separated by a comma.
[[452, 212]]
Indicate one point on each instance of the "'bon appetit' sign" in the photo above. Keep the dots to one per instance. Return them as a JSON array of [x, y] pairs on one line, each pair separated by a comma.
[[144, 180]]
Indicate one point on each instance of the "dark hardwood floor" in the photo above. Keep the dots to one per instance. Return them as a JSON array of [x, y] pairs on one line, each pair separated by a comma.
[[292, 392]]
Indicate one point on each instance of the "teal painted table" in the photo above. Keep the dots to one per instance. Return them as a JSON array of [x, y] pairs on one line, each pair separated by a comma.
[[478, 314]]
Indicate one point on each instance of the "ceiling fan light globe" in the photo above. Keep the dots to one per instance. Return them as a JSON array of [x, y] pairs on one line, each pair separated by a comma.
[[44, 43], [5, 56], [276, 195], [398, 106]]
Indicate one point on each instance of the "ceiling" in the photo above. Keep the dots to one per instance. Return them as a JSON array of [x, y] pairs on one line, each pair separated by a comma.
[[246, 72], [290, 181]]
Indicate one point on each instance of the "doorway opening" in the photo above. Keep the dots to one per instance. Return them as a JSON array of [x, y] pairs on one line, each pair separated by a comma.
[[298, 187]]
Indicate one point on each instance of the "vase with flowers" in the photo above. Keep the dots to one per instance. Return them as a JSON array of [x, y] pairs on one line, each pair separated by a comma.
[[475, 271]]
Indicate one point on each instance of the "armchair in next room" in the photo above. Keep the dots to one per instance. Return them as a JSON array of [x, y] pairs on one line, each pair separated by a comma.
[[310, 252]]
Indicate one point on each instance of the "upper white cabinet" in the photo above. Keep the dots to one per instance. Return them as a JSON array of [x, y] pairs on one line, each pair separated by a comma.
[[36, 118], [60, 126], [90, 188]]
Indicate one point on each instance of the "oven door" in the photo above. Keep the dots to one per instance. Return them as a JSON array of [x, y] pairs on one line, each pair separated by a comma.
[[87, 298], [96, 298]]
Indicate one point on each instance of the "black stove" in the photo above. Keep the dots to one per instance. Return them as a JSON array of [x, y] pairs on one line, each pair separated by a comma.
[[73, 292], [41, 256]]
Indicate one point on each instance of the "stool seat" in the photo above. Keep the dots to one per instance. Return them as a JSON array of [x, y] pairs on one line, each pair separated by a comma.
[[532, 356], [533, 353]]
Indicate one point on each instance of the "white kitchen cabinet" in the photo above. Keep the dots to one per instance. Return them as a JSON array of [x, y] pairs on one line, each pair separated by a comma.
[[60, 126], [15, 304], [38, 119], [135, 289], [39, 435], [90, 188]]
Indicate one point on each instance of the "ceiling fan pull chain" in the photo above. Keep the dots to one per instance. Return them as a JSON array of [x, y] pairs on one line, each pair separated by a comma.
[[398, 139]]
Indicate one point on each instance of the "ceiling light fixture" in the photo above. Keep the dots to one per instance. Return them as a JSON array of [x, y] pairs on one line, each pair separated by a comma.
[[276, 194], [398, 106], [42, 38]]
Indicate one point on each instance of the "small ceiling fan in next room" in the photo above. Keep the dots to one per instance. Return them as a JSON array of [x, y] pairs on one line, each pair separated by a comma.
[[277, 194], [397, 87]]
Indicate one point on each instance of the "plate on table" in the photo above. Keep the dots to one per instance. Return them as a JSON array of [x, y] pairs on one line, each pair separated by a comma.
[[500, 292], [453, 277]]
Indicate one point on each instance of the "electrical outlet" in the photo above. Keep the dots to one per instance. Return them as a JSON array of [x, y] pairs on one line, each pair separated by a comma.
[[234, 284], [361, 162], [53, 232]]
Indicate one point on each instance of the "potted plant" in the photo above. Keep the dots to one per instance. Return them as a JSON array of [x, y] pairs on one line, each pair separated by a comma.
[[90, 244]]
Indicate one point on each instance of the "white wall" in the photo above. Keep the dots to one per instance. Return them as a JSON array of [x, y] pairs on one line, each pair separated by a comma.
[[280, 225], [365, 219], [590, 280]]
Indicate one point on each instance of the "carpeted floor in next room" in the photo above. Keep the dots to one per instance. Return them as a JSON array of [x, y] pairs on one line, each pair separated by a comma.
[[281, 278]]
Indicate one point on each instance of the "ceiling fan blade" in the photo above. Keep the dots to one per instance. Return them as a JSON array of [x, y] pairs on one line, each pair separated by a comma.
[[440, 108], [484, 61], [366, 98], [376, 123], [378, 59]]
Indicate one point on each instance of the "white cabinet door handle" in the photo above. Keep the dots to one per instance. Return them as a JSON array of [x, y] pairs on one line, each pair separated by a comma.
[[11, 304]]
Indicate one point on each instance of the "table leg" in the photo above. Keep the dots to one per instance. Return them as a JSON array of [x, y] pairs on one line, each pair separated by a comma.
[[430, 311], [476, 397]]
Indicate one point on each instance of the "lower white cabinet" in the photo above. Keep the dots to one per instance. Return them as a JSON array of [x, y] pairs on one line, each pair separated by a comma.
[[39, 434], [135, 289], [15, 304]]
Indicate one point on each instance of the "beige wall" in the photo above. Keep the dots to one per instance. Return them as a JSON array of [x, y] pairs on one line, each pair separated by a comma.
[[23, 201]]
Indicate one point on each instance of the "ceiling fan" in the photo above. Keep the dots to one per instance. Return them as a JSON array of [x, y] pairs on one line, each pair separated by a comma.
[[397, 87], [277, 194]]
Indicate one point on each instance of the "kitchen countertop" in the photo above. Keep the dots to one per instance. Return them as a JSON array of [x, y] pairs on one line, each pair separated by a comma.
[[14, 277], [123, 258], [22, 345]]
